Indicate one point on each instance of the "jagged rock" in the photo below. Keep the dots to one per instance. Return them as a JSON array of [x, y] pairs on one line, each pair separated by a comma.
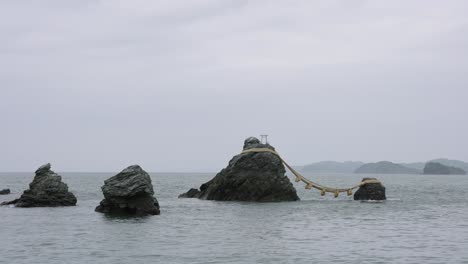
[[251, 142], [5, 191], [258, 177], [46, 190], [370, 191], [43, 169], [436, 168], [129, 192], [190, 194]]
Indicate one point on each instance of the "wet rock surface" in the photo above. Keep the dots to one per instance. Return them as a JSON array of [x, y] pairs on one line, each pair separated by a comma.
[[257, 177], [370, 191], [192, 193], [46, 190], [129, 193], [5, 191]]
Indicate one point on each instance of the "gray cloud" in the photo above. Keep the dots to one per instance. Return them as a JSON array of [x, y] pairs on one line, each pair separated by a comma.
[[176, 86]]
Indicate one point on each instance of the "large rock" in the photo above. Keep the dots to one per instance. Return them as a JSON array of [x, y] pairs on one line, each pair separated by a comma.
[[46, 190], [436, 168], [129, 192], [370, 191], [5, 191], [258, 177]]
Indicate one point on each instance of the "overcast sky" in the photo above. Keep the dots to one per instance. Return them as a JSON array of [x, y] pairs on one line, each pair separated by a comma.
[[178, 85]]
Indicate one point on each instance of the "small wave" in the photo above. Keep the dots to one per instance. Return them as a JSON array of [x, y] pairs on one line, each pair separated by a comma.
[[373, 201], [394, 199]]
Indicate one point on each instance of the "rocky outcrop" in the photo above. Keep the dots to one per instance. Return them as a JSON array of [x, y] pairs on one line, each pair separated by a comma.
[[192, 193], [5, 191], [436, 168], [386, 167], [258, 177], [130, 193], [370, 191], [46, 190]]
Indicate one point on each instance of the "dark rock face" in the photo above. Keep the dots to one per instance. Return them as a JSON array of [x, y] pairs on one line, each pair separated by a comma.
[[5, 191], [46, 190], [258, 177], [440, 169], [190, 194], [129, 193], [370, 191]]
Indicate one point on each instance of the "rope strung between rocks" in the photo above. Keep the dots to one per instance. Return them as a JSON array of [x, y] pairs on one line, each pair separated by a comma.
[[310, 184]]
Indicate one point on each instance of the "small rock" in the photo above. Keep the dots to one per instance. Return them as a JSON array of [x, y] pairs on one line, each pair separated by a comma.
[[370, 191], [130, 192], [5, 191]]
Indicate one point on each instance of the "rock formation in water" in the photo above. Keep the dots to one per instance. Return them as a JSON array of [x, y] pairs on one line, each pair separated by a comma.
[[5, 191], [370, 191], [438, 168], [129, 192], [258, 177], [46, 190], [386, 167]]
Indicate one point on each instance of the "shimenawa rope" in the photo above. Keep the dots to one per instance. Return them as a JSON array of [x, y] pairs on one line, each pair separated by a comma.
[[310, 184]]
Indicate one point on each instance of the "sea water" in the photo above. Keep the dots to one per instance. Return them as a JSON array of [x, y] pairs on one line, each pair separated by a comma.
[[424, 220]]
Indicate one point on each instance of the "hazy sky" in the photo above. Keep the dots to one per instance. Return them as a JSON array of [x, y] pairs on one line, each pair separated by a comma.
[[178, 85]]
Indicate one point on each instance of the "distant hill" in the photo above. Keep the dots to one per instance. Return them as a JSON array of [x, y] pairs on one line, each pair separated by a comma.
[[379, 167], [386, 167], [441, 169], [452, 163], [332, 166], [414, 165]]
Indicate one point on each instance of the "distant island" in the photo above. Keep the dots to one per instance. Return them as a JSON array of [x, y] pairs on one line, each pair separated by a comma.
[[333, 166], [386, 167], [382, 167], [435, 168], [414, 165], [452, 163]]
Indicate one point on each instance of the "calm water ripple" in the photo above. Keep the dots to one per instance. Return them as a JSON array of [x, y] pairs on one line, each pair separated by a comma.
[[424, 221]]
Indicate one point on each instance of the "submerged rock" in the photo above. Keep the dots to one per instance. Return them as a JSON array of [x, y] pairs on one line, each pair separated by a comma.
[[46, 190], [129, 192], [258, 177], [370, 191], [5, 191]]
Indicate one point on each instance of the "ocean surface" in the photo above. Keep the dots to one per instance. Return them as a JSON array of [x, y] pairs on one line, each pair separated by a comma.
[[424, 220]]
